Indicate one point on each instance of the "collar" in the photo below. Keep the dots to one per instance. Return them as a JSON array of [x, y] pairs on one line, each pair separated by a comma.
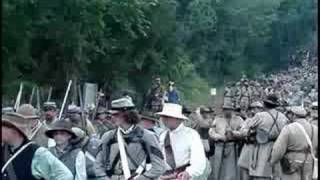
[[128, 131], [178, 129]]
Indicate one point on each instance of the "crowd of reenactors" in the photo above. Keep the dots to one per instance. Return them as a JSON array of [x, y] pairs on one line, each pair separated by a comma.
[[267, 130]]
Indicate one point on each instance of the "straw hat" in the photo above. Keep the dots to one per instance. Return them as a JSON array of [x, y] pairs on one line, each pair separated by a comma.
[[27, 111], [17, 122], [256, 104], [122, 104], [172, 110], [298, 110], [61, 125]]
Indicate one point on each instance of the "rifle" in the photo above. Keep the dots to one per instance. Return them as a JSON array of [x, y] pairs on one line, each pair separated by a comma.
[[32, 94], [96, 106], [38, 100], [49, 94], [83, 118], [65, 99], [17, 104]]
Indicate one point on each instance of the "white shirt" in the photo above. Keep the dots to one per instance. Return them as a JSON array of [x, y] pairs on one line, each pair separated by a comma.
[[187, 148]]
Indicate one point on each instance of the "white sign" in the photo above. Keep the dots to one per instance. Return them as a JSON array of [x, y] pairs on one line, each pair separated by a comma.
[[213, 91]]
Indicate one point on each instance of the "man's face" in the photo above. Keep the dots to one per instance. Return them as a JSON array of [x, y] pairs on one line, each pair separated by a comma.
[[7, 134], [227, 113], [102, 116], [205, 115], [50, 114], [61, 137], [117, 118], [170, 122], [147, 123]]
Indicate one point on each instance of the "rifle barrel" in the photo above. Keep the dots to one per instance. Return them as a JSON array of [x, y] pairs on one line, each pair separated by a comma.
[[65, 99]]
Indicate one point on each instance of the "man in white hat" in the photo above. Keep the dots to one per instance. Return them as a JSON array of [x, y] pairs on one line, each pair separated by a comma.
[[184, 153], [22, 158], [314, 113], [224, 133], [292, 147]]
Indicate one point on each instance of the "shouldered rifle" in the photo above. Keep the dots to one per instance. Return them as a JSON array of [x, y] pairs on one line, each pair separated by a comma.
[[65, 99], [49, 94], [32, 94], [17, 104], [83, 118]]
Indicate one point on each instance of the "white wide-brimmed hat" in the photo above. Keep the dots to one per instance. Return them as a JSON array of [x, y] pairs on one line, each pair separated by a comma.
[[172, 110]]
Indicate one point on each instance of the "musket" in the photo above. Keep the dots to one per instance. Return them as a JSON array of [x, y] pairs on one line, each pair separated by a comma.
[[49, 94], [17, 104], [83, 118], [65, 99], [32, 94], [96, 106], [38, 99]]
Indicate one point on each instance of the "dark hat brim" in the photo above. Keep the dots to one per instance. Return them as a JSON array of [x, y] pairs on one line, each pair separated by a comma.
[[49, 133], [270, 102], [122, 108], [7, 123], [148, 118]]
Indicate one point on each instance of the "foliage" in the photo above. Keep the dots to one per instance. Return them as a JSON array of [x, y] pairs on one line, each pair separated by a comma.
[[123, 44]]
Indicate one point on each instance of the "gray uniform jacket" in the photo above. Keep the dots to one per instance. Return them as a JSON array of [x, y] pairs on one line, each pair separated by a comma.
[[292, 144], [259, 163], [136, 153]]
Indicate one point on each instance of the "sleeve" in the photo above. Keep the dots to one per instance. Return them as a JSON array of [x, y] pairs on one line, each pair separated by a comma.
[[100, 163], [81, 172], [45, 165], [156, 158], [213, 133], [198, 159], [280, 146]]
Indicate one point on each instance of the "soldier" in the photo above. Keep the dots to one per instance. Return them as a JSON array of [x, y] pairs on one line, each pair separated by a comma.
[[129, 151], [247, 150], [191, 121], [225, 133], [155, 96], [314, 113], [71, 156], [292, 149], [245, 96], [22, 158], [205, 122], [184, 153], [150, 122], [265, 128], [228, 94], [77, 120], [255, 107], [102, 122], [37, 127], [50, 111], [172, 94]]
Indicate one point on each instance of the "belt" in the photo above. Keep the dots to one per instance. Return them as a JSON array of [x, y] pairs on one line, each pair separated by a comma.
[[177, 170]]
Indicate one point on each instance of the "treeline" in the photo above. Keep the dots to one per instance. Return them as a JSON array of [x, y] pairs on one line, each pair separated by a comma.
[[122, 44]]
